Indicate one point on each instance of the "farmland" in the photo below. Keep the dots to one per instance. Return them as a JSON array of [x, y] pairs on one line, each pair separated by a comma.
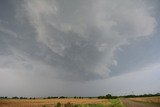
[[85, 102], [155, 100], [69, 102], [48, 102], [142, 102]]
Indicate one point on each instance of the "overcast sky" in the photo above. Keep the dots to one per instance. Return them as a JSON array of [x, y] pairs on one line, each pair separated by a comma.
[[79, 47]]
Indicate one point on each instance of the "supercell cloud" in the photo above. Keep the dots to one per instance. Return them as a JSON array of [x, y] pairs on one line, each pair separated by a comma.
[[73, 40], [80, 37]]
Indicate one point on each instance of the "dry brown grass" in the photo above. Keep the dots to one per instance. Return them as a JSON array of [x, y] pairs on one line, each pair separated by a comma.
[[48, 102], [147, 99]]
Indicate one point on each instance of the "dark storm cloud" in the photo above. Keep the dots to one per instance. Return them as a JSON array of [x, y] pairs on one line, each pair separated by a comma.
[[65, 47], [74, 40]]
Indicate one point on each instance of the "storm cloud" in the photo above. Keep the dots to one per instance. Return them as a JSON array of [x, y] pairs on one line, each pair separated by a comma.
[[79, 38], [73, 40]]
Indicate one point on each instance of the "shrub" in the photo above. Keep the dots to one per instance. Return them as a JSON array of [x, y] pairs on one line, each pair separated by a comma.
[[68, 105], [58, 104]]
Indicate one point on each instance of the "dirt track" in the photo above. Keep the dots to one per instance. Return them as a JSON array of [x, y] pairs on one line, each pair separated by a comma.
[[130, 103]]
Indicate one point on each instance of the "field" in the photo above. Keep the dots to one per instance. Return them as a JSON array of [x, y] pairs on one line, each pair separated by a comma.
[[142, 102], [147, 99], [86, 102], [48, 102], [70, 102]]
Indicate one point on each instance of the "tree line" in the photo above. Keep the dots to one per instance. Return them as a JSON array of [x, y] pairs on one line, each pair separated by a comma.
[[108, 96]]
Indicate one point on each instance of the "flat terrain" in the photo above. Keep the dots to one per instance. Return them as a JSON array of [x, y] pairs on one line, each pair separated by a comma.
[[147, 99], [49, 102], [70, 102], [142, 102]]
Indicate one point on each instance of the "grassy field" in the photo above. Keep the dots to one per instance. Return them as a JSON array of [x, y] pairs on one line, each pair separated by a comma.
[[147, 99], [60, 103], [116, 103]]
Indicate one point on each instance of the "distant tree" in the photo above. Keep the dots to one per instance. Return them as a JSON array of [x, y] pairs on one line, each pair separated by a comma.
[[23, 98], [80, 97], [15, 97], [90, 97], [157, 94], [4, 97], [108, 96], [51, 97], [61, 97]]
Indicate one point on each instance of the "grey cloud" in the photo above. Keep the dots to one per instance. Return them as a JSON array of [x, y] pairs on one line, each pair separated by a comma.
[[79, 47], [80, 37], [76, 40]]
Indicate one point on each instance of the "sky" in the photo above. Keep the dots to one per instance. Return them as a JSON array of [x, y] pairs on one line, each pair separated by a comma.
[[79, 47]]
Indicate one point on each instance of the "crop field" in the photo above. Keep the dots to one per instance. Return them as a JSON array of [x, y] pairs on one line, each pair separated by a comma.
[[142, 102], [147, 99], [70, 102], [86, 102], [50, 102]]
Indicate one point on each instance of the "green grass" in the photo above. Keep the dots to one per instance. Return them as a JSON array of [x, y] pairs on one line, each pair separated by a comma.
[[79, 105], [113, 103], [88, 105], [116, 103]]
